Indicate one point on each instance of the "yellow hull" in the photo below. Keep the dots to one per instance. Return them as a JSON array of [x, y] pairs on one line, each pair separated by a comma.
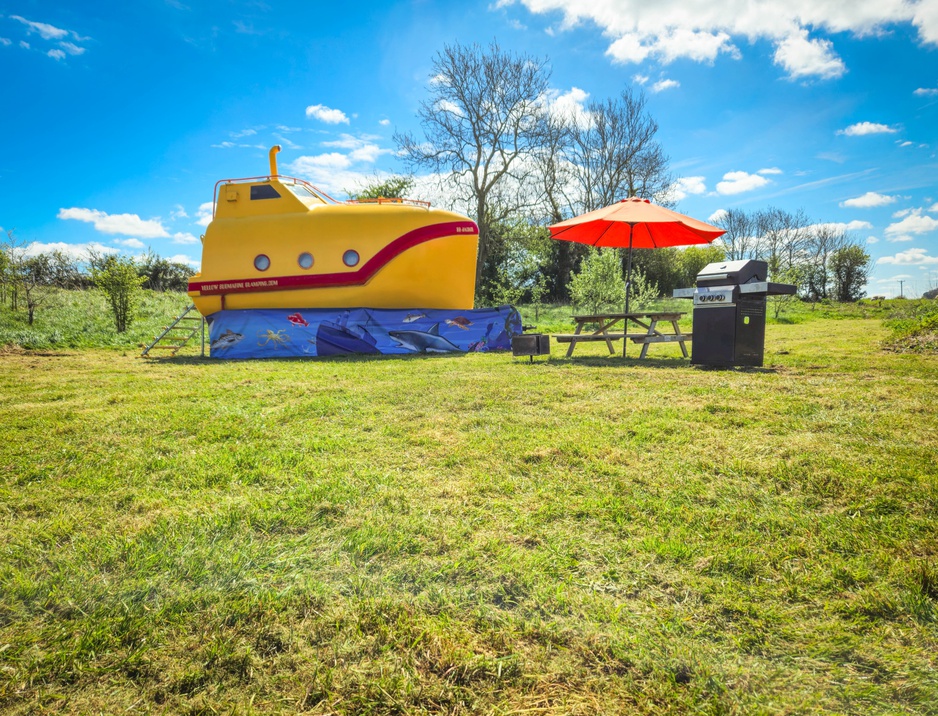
[[287, 250]]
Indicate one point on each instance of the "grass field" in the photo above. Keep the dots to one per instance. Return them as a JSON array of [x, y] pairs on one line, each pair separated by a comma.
[[472, 534]]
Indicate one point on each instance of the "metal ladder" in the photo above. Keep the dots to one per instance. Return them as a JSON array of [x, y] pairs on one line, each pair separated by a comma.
[[184, 331]]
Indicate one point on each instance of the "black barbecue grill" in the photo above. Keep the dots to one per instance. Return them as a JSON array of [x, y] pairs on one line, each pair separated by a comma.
[[729, 312]]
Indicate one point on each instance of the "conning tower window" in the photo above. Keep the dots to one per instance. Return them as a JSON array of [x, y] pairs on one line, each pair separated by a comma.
[[261, 262], [263, 191]]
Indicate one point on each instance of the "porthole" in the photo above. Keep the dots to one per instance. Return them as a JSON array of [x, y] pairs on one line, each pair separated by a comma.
[[261, 262], [350, 258], [305, 260]]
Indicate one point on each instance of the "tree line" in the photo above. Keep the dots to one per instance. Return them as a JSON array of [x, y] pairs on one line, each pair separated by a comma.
[[27, 278], [514, 157]]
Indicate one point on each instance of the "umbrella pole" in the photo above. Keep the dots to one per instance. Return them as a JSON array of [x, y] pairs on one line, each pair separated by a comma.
[[628, 286]]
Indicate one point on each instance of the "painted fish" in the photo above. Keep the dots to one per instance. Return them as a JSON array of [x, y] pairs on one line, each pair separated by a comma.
[[226, 340], [460, 322], [425, 341], [297, 320], [411, 317]]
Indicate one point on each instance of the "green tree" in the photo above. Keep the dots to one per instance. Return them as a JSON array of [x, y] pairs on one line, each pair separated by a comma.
[[694, 258], [117, 277], [162, 274], [6, 275], [599, 283], [394, 187], [850, 268], [516, 258]]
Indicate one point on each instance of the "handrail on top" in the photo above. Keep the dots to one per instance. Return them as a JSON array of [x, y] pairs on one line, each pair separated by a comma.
[[314, 189]]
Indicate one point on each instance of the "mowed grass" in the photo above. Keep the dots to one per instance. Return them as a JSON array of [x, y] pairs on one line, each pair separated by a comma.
[[472, 534]]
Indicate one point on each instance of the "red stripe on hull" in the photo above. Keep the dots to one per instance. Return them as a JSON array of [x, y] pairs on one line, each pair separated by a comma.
[[347, 278]]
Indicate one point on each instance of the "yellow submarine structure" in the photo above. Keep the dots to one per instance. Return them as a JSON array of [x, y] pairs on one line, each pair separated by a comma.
[[279, 242]]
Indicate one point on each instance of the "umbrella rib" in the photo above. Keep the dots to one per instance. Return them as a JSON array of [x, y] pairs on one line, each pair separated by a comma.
[[608, 226]]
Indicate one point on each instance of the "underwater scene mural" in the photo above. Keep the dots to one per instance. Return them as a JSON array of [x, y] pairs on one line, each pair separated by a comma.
[[273, 333]]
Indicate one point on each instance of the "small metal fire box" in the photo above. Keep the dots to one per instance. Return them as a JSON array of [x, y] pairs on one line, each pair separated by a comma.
[[729, 312], [532, 344]]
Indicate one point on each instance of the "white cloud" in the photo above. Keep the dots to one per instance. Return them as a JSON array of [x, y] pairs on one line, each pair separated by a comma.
[[933, 208], [671, 44], [204, 213], [349, 141], [569, 105], [915, 223], [46, 32], [79, 252], [326, 114], [183, 259], [179, 212], [686, 186], [243, 133], [125, 224], [330, 160], [6, 41], [184, 238], [770, 170], [24, 45], [899, 238], [717, 215], [56, 54], [804, 57], [640, 79], [861, 129], [662, 85], [868, 200], [926, 92], [130, 243], [71, 48], [900, 213], [368, 153], [739, 182], [669, 29], [444, 105], [384, 122], [842, 226], [870, 240], [910, 257]]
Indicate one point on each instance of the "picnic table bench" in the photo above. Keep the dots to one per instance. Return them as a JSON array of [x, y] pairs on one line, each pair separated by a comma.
[[605, 321]]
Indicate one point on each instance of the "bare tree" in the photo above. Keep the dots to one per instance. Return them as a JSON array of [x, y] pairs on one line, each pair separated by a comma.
[[480, 124], [28, 275], [823, 241], [615, 154], [740, 240], [783, 240]]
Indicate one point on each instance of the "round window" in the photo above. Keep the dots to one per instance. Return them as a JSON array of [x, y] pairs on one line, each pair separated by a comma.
[[261, 262], [305, 260], [350, 258]]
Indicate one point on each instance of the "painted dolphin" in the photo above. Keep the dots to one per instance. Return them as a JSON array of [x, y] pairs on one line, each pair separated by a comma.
[[425, 341]]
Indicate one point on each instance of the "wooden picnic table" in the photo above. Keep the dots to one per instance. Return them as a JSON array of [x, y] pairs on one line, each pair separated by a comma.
[[646, 321]]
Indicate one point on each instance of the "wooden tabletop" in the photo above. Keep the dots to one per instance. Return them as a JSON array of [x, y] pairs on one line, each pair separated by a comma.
[[651, 314]]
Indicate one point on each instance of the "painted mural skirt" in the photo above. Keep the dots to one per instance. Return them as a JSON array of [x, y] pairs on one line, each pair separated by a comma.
[[310, 332]]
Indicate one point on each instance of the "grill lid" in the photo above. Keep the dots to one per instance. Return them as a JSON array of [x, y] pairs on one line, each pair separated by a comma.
[[732, 272]]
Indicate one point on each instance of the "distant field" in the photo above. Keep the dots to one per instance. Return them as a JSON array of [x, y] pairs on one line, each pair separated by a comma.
[[472, 534]]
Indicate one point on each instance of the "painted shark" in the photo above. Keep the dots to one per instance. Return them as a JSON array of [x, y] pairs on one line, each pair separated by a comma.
[[226, 340], [424, 341]]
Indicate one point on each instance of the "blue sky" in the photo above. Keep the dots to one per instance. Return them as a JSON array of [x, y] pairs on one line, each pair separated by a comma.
[[120, 117]]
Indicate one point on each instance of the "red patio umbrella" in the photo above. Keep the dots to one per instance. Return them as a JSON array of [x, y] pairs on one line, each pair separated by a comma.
[[634, 223]]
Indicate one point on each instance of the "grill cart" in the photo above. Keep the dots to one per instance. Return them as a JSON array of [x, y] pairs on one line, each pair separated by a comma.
[[729, 312]]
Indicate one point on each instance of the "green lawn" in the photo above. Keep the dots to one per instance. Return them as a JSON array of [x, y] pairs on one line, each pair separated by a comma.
[[472, 534]]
